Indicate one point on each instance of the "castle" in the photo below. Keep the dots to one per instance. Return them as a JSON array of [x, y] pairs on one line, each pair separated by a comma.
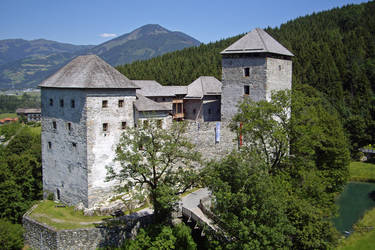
[[88, 104]]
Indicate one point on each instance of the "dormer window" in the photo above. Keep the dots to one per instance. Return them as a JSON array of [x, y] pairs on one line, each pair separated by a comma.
[[246, 72]]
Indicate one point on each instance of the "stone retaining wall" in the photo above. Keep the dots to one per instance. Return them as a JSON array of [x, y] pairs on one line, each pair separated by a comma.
[[40, 236]]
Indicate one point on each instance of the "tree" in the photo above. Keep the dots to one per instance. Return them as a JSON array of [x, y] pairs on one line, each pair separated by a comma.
[[161, 160], [11, 235], [278, 189]]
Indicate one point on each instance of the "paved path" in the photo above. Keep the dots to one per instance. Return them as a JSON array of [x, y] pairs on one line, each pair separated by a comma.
[[192, 200]]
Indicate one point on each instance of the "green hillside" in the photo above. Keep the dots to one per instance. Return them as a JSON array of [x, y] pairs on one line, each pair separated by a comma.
[[334, 52]]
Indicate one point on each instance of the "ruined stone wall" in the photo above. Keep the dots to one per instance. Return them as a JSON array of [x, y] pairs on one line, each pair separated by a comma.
[[202, 135], [40, 236], [101, 144], [64, 147], [234, 81]]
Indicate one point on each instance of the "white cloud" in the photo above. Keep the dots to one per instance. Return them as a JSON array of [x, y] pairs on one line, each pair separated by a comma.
[[108, 35]]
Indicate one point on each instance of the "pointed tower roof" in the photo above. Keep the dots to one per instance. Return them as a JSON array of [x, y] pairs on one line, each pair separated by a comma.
[[257, 41], [88, 71]]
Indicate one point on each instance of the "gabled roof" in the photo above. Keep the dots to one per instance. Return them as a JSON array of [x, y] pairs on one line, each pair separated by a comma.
[[204, 85], [88, 71], [257, 41], [144, 104], [151, 88]]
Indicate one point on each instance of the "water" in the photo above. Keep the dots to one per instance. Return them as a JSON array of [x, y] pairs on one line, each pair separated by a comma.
[[353, 203]]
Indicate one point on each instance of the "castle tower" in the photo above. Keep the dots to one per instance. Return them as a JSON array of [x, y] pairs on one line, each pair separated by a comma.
[[86, 106], [253, 66]]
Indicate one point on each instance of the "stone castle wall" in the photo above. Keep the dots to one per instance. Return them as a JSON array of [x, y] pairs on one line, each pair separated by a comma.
[[64, 144], [202, 135], [40, 236]]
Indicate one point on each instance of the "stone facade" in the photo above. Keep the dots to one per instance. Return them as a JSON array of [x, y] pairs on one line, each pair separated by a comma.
[[75, 146], [265, 73]]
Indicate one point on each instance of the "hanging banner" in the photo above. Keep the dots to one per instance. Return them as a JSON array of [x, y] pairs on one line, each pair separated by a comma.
[[217, 132]]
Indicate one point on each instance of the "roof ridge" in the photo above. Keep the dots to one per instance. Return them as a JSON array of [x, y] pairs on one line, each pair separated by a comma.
[[261, 38], [200, 78]]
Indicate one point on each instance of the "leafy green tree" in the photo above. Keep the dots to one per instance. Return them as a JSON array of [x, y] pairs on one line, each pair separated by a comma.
[[162, 237], [278, 189], [11, 235], [161, 160]]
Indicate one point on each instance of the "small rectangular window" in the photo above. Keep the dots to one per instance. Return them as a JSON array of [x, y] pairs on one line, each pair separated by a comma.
[[104, 104], [69, 125], [54, 125], [49, 145], [246, 89], [120, 103], [51, 102], [105, 127], [246, 72], [62, 103], [74, 144], [123, 125], [72, 104]]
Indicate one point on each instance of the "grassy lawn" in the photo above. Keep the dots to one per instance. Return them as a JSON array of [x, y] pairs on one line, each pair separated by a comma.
[[364, 172], [364, 235], [8, 115], [63, 217]]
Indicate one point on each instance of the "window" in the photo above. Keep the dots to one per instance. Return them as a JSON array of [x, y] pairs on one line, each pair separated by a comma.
[[105, 127], [194, 111], [120, 103], [58, 194], [72, 104], [62, 103], [279, 67], [104, 104], [159, 123], [51, 102], [74, 144], [209, 111], [69, 126], [163, 99], [246, 89], [54, 125], [246, 72], [123, 125], [49, 145]]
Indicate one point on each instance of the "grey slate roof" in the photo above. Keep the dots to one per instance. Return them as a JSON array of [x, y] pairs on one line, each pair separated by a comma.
[[257, 41], [204, 85], [88, 71], [144, 104], [152, 88]]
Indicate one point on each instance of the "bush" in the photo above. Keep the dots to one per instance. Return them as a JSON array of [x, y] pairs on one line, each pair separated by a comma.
[[11, 235]]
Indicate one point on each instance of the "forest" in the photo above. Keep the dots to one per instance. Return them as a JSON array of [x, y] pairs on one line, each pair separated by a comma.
[[334, 53]]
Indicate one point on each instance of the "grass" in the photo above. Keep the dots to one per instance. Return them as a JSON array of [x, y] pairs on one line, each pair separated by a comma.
[[8, 115], [63, 217], [363, 236], [364, 172]]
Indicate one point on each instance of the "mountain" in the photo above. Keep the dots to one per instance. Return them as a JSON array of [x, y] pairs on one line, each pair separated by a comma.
[[15, 49], [334, 52], [24, 64], [143, 43]]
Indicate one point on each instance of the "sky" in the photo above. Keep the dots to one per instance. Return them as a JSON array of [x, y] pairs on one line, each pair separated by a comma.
[[96, 21]]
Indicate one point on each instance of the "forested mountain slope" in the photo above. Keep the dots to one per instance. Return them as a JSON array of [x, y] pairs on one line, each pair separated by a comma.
[[334, 52]]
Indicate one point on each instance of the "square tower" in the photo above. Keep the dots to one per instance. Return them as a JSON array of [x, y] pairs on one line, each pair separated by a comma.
[[253, 67], [84, 107]]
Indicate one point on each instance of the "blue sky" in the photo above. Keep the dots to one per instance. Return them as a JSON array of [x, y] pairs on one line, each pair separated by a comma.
[[85, 21]]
